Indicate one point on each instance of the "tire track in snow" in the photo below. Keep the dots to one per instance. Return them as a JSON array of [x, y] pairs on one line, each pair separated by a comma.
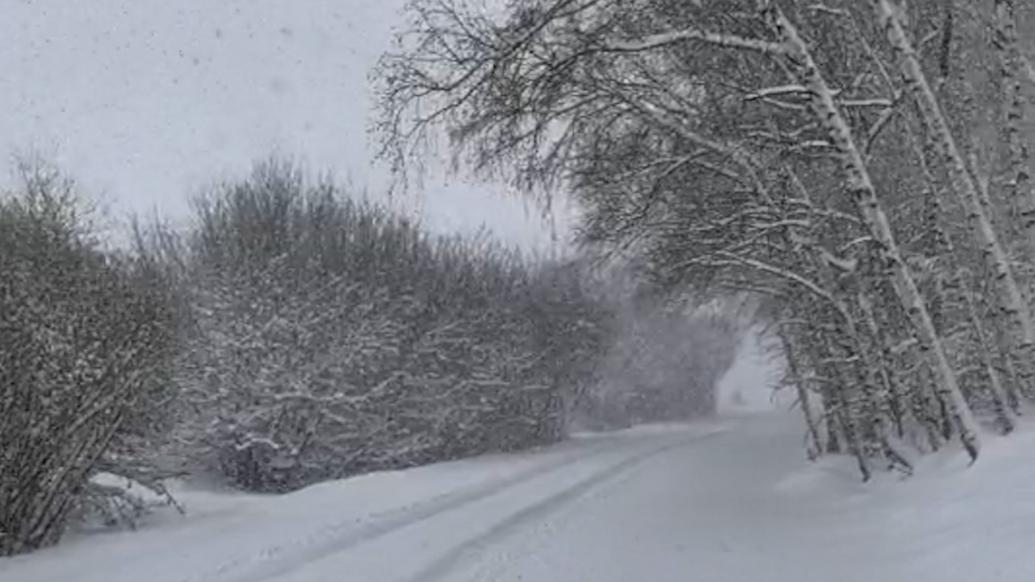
[[273, 561], [442, 567]]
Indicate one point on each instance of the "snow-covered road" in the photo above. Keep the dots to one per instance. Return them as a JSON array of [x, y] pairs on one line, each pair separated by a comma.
[[428, 523], [730, 499], [711, 510], [479, 527]]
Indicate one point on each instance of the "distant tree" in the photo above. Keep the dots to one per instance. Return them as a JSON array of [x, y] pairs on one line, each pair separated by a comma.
[[665, 356]]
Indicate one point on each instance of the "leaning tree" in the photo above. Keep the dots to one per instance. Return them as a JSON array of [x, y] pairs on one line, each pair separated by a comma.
[[823, 155]]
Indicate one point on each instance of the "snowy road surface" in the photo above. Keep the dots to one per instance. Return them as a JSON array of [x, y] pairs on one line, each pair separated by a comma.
[[724, 500]]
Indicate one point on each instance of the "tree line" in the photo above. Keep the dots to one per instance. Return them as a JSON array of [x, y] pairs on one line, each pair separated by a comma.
[[862, 167], [289, 335]]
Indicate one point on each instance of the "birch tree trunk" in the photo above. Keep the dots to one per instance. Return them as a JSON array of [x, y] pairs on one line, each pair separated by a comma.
[[895, 398], [963, 181], [1000, 399], [842, 411], [1018, 189], [804, 399], [942, 248], [861, 187], [871, 374]]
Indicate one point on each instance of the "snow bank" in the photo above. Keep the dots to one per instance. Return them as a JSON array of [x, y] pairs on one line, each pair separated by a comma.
[[235, 536], [949, 521], [731, 501]]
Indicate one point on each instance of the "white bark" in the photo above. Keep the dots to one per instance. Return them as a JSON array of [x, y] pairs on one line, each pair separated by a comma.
[[1019, 190], [656, 41], [998, 392], [804, 399], [1004, 392], [1014, 303], [896, 394], [864, 193], [869, 372]]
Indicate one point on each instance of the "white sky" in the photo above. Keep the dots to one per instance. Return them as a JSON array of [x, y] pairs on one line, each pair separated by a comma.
[[145, 102]]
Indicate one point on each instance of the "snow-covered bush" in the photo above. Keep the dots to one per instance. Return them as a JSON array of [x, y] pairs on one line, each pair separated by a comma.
[[330, 337], [84, 346]]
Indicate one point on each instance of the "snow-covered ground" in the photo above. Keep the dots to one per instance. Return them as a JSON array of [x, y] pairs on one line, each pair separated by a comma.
[[729, 499], [382, 526], [148, 100]]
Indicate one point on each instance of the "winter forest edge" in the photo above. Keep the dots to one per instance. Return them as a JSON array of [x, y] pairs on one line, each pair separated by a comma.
[[851, 177]]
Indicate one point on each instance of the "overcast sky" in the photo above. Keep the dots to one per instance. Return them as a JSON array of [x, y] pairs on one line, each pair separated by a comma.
[[145, 102]]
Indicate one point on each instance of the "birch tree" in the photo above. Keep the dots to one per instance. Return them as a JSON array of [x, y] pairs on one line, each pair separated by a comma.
[[695, 136], [962, 178]]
